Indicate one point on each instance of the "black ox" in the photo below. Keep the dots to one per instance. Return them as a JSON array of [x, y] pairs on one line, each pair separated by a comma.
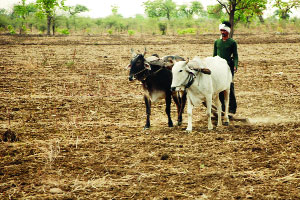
[[156, 81]]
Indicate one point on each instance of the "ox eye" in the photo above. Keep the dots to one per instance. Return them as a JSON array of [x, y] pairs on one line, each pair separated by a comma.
[[180, 70]]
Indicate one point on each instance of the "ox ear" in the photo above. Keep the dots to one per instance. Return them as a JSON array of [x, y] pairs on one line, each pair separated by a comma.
[[147, 66], [205, 71], [132, 52], [128, 67]]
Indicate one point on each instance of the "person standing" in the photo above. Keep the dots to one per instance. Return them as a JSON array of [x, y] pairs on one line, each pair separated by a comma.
[[226, 48]]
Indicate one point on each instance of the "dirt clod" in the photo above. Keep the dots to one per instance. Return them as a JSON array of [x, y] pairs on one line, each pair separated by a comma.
[[9, 136]]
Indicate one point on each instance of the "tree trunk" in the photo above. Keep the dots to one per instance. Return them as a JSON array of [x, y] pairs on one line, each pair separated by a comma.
[[48, 24], [231, 20], [231, 16], [261, 19], [53, 25]]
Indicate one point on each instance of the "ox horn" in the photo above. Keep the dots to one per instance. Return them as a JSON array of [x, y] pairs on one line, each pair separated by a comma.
[[145, 51], [132, 52], [187, 60]]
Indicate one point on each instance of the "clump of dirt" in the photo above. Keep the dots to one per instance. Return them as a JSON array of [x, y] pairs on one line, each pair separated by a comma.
[[9, 136]]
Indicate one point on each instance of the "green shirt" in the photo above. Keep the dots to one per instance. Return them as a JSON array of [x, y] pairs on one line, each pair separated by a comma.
[[227, 50]]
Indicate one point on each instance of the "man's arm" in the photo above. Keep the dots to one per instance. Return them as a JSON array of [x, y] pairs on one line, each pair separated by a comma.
[[235, 56], [215, 49]]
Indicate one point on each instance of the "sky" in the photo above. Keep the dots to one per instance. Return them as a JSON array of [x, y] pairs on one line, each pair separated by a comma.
[[102, 8]]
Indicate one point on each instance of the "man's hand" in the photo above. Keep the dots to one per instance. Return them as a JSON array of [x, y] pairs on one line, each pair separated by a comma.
[[235, 69]]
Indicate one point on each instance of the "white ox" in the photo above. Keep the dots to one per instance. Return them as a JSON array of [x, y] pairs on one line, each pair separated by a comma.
[[215, 78]]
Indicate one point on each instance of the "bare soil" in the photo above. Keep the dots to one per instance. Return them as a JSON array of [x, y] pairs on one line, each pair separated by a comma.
[[71, 124]]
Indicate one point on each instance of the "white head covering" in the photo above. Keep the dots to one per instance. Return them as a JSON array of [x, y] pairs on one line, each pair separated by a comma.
[[224, 27]]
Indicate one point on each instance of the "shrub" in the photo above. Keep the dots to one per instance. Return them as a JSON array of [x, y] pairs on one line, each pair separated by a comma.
[[191, 31], [11, 29], [131, 32], [24, 29], [64, 31], [162, 27], [110, 32]]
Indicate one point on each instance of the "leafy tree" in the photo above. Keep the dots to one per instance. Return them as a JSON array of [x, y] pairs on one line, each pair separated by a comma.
[[4, 19], [215, 11], [74, 10], [48, 7], [114, 9], [254, 10], [242, 6], [196, 8], [22, 11], [284, 8], [160, 8], [162, 27]]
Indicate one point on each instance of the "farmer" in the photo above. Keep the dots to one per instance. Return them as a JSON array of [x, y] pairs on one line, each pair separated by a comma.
[[226, 48]]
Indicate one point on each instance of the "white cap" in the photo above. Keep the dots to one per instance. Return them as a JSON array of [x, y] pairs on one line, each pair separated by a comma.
[[224, 27]]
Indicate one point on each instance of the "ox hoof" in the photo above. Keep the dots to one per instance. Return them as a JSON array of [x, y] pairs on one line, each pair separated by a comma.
[[226, 124], [179, 123], [188, 130], [146, 127], [170, 124]]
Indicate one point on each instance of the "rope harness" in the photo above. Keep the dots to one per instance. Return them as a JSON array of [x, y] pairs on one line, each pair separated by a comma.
[[150, 72]]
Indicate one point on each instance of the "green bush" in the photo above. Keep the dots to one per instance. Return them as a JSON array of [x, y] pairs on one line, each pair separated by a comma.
[[110, 32], [64, 31], [190, 31], [163, 27], [131, 32], [11, 29], [24, 29]]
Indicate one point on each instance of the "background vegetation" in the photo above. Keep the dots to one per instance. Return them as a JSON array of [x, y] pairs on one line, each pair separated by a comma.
[[161, 17]]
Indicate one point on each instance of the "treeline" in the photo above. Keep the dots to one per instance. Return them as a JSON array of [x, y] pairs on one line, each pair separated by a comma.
[[162, 17]]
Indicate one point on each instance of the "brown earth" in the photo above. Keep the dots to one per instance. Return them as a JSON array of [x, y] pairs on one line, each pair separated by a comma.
[[71, 123]]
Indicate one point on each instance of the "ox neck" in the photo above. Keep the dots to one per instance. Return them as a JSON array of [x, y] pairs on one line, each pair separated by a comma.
[[154, 68]]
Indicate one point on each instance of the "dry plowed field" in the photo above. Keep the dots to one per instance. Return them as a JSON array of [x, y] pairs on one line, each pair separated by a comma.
[[71, 124]]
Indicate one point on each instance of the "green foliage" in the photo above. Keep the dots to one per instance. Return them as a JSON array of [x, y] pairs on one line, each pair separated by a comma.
[[114, 9], [215, 11], [47, 8], [42, 28], [131, 32], [64, 31], [110, 31], [284, 7], [11, 29], [24, 29], [74, 10], [4, 20], [189, 31], [242, 9], [180, 22], [160, 8], [195, 8], [162, 27]]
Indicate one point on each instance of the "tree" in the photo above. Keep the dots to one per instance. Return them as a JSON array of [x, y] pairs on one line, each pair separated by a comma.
[[195, 8], [4, 19], [114, 9], [242, 6], [74, 10], [215, 11], [48, 7], [160, 8], [284, 8], [22, 11]]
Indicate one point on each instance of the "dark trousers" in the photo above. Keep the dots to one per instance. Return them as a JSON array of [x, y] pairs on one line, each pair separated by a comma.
[[232, 99]]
